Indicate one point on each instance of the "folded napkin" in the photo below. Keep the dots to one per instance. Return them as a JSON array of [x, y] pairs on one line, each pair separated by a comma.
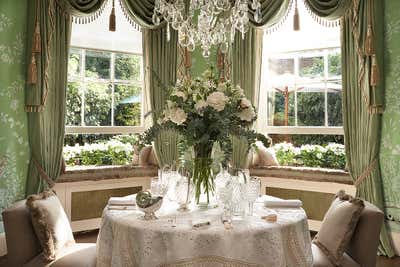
[[129, 200], [289, 203], [120, 207]]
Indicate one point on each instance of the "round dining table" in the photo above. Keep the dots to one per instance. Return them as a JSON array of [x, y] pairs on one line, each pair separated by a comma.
[[126, 239]]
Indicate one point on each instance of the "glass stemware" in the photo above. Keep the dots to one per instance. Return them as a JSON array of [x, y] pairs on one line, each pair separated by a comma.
[[253, 187]]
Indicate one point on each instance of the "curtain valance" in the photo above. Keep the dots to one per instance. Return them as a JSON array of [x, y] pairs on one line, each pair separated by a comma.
[[326, 11], [82, 11]]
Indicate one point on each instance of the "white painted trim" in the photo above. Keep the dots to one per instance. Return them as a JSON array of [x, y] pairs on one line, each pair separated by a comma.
[[64, 192], [396, 242], [303, 130], [295, 184], [103, 129], [3, 245]]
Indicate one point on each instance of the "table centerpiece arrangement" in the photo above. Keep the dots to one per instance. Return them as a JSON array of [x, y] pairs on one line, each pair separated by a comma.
[[204, 111]]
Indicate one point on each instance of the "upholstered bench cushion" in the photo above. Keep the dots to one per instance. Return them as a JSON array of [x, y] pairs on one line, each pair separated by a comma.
[[78, 255], [321, 260]]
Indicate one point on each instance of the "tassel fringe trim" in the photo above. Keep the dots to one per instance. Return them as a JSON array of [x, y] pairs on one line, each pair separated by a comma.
[[84, 18], [128, 16], [280, 23], [320, 20]]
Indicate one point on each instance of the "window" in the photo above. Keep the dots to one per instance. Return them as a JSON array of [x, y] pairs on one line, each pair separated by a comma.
[[300, 102], [104, 89], [104, 101], [305, 88], [301, 90]]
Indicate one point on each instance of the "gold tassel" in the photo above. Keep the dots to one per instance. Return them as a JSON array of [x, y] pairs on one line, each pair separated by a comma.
[[369, 42], [188, 59], [374, 72], [296, 19], [32, 71], [36, 44], [112, 23]]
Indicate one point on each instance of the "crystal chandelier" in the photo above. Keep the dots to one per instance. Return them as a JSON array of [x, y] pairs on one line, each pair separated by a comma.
[[206, 22]]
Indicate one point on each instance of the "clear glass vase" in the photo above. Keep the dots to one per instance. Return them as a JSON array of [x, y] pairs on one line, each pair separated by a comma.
[[202, 175]]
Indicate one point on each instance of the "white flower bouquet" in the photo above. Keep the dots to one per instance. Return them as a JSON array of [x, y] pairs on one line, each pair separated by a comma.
[[203, 111]]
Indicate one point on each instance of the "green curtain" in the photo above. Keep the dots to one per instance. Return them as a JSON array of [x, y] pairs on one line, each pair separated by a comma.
[[160, 63], [246, 57], [362, 102], [328, 9], [362, 121], [45, 101], [86, 10]]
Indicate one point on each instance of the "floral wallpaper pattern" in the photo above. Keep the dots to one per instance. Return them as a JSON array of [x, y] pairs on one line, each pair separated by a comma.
[[14, 146], [390, 146]]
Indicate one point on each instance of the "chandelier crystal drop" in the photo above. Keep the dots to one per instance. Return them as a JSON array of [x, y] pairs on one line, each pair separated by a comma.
[[206, 22]]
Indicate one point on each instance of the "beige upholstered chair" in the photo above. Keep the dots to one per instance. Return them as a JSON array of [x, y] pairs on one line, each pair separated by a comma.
[[23, 247], [362, 250]]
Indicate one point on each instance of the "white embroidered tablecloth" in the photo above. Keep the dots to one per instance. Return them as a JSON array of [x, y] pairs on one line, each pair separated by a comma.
[[125, 239]]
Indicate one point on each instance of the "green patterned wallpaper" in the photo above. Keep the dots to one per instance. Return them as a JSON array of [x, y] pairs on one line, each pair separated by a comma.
[[390, 146], [14, 147]]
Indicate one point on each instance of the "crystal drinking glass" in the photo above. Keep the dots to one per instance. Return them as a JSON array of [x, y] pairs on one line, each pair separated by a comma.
[[253, 187]]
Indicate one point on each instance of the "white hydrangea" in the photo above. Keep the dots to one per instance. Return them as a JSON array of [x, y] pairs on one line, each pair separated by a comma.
[[247, 114], [217, 100]]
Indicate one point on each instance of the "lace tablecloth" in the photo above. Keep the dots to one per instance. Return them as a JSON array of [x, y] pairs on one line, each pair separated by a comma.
[[125, 239]]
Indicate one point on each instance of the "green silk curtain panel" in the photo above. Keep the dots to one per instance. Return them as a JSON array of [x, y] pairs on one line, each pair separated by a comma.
[[362, 121], [246, 57], [160, 63], [362, 102], [45, 100]]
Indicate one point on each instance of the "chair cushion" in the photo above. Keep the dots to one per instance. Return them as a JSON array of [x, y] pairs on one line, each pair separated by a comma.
[[321, 260], [50, 223], [22, 243], [77, 255], [262, 156], [338, 226]]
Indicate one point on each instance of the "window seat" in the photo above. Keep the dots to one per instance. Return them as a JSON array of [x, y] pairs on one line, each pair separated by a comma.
[[95, 173], [304, 173]]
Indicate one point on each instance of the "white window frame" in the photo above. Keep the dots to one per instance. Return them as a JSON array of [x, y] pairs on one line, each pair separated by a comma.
[[81, 78], [262, 122]]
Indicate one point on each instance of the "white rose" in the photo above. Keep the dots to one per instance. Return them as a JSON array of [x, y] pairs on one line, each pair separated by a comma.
[[245, 103], [177, 116], [247, 114], [200, 106], [217, 100], [180, 94]]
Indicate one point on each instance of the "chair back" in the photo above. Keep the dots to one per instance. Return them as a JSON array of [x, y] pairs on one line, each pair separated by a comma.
[[22, 243], [365, 240]]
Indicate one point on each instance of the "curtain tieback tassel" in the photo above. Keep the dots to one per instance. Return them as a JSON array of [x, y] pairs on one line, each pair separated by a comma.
[[369, 42], [112, 22], [374, 72], [296, 19], [36, 46], [32, 71], [367, 172]]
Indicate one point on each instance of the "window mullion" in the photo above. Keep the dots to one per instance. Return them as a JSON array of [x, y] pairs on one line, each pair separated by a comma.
[[112, 86], [326, 74], [83, 84], [296, 75]]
